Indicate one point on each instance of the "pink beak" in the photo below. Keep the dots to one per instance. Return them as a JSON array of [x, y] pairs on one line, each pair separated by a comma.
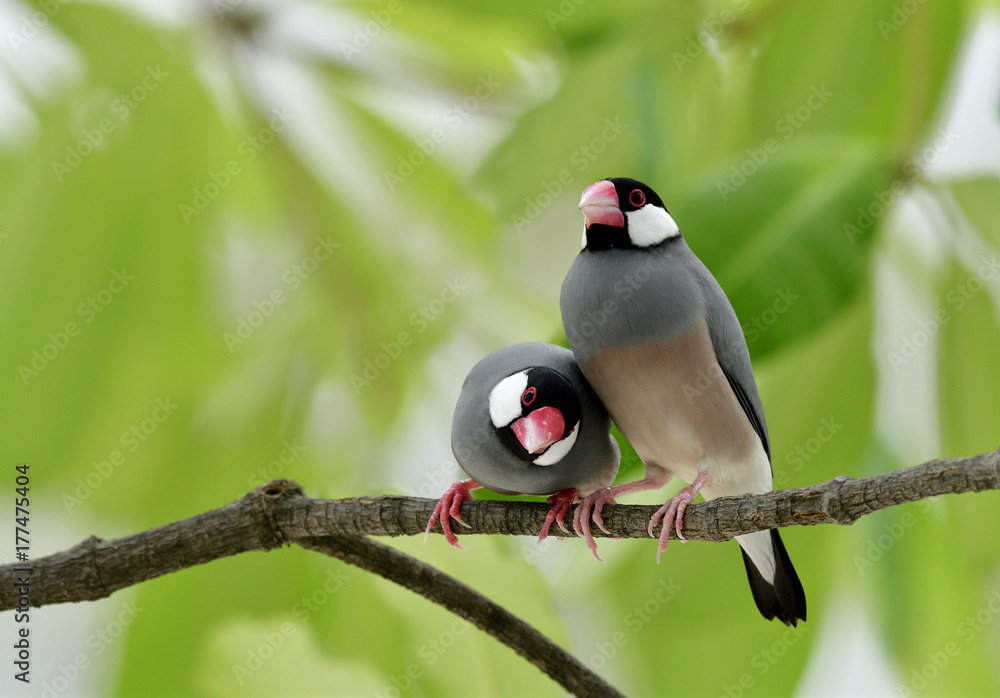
[[600, 206], [540, 429]]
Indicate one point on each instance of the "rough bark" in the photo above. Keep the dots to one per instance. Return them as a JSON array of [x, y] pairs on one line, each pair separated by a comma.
[[280, 513]]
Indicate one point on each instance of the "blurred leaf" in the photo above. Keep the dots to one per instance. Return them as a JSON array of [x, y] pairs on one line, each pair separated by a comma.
[[978, 201], [280, 659], [775, 238], [968, 371], [887, 85]]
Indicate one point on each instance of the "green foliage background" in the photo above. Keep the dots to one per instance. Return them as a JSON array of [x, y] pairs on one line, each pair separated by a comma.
[[692, 90]]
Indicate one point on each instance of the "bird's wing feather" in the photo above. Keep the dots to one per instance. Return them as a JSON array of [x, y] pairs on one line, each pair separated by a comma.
[[732, 354], [750, 411]]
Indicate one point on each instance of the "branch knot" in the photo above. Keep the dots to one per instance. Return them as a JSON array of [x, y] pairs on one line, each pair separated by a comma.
[[266, 501]]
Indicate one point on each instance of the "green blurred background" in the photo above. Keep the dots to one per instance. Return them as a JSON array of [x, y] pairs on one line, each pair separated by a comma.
[[245, 240]]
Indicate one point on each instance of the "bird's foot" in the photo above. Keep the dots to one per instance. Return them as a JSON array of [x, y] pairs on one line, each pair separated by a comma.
[[590, 507], [561, 502], [449, 508], [672, 514]]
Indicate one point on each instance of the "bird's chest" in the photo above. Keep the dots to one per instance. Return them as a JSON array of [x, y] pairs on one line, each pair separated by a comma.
[[625, 297], [673, 403]]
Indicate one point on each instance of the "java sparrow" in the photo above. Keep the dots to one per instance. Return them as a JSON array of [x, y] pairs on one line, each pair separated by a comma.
[[527, 422], [658, 340]]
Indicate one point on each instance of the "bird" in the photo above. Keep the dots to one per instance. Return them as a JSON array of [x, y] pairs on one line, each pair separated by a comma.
[[660, 343], [527, 422]]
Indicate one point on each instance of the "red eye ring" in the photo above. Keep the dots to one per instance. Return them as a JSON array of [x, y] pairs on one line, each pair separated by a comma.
[[528, 396], [637, 198]]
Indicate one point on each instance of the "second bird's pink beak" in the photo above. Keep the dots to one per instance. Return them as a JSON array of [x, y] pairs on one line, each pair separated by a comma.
[[540, 429], [600, 206]]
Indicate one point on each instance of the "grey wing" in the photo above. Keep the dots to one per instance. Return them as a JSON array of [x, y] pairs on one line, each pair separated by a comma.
[[732, 354]]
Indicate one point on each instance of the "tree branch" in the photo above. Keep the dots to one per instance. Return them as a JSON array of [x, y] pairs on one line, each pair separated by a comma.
[[279, 513]]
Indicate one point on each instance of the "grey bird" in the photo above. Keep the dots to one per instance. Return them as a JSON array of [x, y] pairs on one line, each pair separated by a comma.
[[527, 422], [658, 340]]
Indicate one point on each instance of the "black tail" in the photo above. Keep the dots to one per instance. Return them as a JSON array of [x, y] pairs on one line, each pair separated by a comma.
[[783, 600]]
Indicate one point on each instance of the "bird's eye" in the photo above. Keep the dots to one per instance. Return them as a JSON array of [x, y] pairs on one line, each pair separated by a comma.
[[637, 198], [528, 396]]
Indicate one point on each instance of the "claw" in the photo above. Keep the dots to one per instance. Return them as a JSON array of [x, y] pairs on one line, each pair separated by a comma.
[[432, 520], [598, 519], [561, 502], [449, 507], [576, 519], [456, 506], [672, 514], [590, 508], [679, 521], [667, 513], [661, 546], [561, 520], [653, 522], [587, 536]]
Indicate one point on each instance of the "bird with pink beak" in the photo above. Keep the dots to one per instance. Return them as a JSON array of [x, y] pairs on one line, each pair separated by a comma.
[[671, 365], [527, 422]]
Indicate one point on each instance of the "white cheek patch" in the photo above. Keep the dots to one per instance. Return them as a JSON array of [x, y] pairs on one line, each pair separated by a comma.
[[505, 399], [557, 451], [650, 225], [583, 245]]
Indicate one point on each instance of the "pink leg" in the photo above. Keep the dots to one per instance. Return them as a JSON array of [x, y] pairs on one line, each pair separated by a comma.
[[672, 513], [581, 517], [652, 482], [561, 502], [592, 505], [449, 508]]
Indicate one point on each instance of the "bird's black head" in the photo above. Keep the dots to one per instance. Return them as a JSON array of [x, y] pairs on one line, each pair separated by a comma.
[[536, 413], [624, 213]]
